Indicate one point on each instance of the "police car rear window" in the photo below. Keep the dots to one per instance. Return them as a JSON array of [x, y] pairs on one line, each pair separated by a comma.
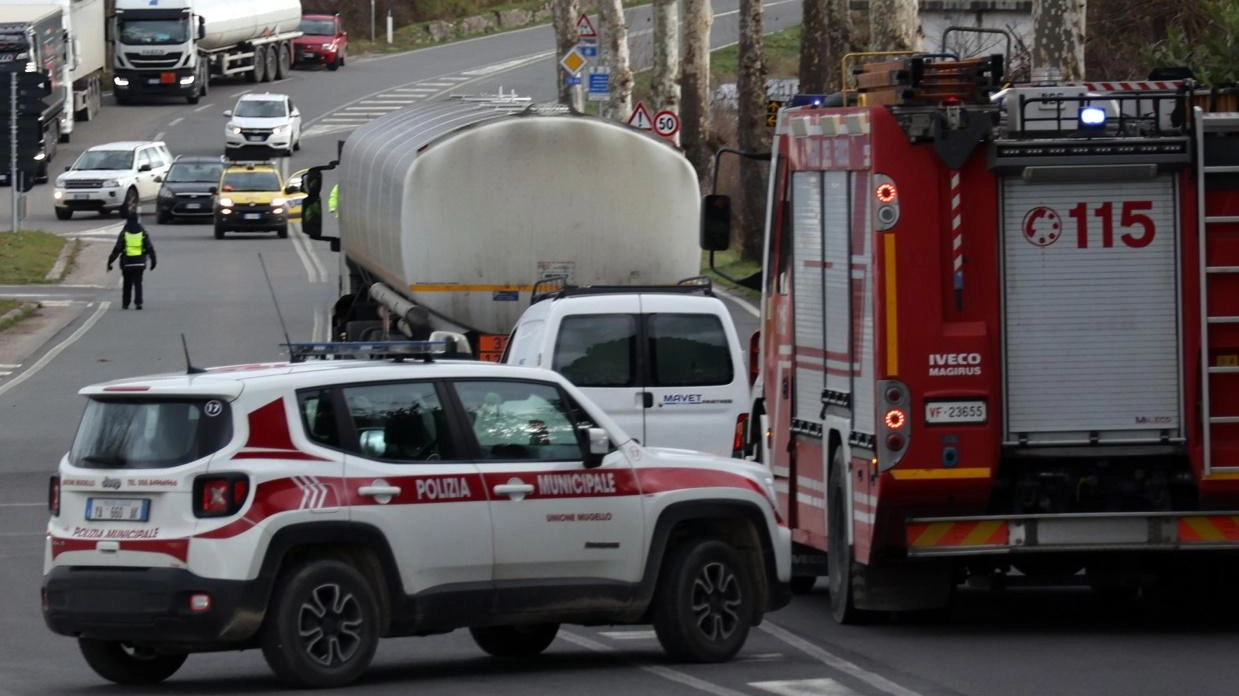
[[149, 433]]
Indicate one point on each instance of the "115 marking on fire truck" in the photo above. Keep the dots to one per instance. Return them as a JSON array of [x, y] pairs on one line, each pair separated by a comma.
[[1043, 225]]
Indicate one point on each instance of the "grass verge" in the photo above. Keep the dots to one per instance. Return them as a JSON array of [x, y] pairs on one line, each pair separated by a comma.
[[26, 257], [8, 305]]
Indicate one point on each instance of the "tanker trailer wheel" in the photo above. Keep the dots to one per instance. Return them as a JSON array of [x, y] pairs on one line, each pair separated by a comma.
[[283, 63], [842, 569], [259, 73], [273, 60]]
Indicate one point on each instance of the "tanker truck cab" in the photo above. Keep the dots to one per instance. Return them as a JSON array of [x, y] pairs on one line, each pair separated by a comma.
[[664, 361]]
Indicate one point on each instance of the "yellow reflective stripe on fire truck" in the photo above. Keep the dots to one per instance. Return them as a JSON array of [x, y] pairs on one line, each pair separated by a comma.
[[923, 535], [1211, 528], [892, 325], [914, 474], [455, 287]]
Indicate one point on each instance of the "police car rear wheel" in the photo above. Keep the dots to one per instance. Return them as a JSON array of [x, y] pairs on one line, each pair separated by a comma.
[[124, 664], [322, 629], [515, 641], [703, 608]]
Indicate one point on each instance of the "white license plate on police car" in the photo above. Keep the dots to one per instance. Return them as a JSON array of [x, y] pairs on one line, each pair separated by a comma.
[[955, 412], [118, 509], [252, 216]]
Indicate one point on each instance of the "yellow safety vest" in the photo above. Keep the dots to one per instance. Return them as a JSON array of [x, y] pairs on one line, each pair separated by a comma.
[[133, 243]]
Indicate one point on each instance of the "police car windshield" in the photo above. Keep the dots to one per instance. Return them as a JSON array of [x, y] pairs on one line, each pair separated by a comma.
[[260, 108], [194, 171], [250, 181], [105, 159], [149, 433]]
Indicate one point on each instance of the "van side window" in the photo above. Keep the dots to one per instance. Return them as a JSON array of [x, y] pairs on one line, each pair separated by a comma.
[[399, 422], [688, 350], [597, 350]]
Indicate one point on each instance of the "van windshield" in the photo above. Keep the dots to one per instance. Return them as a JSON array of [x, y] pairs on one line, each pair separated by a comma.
[[150, 433]]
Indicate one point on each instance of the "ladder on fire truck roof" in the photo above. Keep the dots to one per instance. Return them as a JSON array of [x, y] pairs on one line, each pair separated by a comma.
[[1212, 230]]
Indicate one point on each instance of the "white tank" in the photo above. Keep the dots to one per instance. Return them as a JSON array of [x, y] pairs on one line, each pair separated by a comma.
[[230, 22], [462, 207]]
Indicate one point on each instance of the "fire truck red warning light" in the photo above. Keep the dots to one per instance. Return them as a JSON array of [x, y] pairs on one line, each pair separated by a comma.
[[886, 193]]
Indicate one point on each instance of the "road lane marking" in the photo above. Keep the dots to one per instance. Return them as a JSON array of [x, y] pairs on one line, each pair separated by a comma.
[[499, 67], [23, 504], [10, 366], [5, 373], [761, 657], [664, 672], [175, 121], [439, 85], [158, 136], [804, 687], [204, 107], [743, 303], [629, 635], [60, 347], [835, 662]]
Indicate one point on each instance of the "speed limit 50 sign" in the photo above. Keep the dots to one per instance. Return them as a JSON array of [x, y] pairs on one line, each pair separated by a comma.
[[666, 123]]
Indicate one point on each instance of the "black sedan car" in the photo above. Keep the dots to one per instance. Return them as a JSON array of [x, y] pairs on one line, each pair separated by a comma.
[[186, 190]]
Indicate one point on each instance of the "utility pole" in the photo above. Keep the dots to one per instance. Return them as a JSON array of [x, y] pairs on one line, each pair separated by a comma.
[[14, 186]]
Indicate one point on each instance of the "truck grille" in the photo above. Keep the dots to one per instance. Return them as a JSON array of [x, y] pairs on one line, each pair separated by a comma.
[[158, 60], [84, 184]]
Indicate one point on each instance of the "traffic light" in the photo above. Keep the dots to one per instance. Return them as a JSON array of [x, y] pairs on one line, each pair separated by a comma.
[[33, 89]]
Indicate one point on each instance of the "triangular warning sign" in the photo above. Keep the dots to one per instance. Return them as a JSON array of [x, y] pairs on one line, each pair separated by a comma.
[[585, 28], [641, 117]]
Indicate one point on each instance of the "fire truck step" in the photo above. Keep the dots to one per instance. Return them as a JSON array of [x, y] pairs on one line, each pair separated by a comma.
[[1223, 370], [1224, 419], [1228, 169], [1224, 320], [1222, 269], [1221, 219]]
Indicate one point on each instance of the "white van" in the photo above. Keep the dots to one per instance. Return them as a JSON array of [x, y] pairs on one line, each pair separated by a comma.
[[663, 361]]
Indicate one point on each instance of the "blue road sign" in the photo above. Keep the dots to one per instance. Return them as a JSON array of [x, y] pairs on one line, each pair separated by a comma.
[[599, 83], [572, 80], [589, 50]]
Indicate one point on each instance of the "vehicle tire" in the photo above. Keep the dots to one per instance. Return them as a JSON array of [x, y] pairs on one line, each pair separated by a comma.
[[121, 99], [335, 64], [803, 584], [514, 641], [841, 569], [283, 231], [193, 99], [704, 603], [273, 59], [124, 664], [283, 62], [162, 217], [64, 213], [219, 232], [260, 65], [322, 628], [41, 176], [131, 203]]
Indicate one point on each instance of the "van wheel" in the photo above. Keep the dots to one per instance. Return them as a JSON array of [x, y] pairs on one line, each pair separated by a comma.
[[515, 641], [124, 664], [323, 626], [704, 604]]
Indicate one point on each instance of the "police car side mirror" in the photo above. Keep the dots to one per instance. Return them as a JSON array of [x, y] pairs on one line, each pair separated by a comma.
[[599, 447], [715, 222]]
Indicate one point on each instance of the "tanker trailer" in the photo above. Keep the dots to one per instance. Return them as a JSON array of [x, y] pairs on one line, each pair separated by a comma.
[[175, 47], [451, 211]]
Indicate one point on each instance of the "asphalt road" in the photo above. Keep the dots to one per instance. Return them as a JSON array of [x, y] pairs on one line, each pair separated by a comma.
[[1017, 643]]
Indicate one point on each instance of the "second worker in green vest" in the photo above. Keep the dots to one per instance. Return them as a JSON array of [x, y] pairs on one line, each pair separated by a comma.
[[133, 247]]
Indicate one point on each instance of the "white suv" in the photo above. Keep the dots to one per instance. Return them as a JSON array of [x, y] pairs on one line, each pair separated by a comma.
[[269, 121], [309, 509], [112, 177]]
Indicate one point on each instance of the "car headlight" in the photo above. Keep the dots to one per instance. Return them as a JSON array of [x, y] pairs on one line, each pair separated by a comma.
[[165, 193], [279, 130], [329, 46], [58, 194], [225, 202], [111, 183], [120, 81], [234, 129], [277, 202]]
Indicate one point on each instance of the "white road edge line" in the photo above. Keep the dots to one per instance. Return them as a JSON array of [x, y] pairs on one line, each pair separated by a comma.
[[740, 301], [158, 136], [175, 121], [23, 504], [60, 347], [204, 107], [833, 661], [664, 672]]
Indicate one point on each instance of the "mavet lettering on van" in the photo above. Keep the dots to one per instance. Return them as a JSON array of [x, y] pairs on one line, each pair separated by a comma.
[[954, 364]]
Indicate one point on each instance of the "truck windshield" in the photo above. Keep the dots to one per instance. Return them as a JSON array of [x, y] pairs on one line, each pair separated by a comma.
[[104, 159], [318, 27], [251, 181], [195, 171], [153, 31], [261, 108], [150, 433]]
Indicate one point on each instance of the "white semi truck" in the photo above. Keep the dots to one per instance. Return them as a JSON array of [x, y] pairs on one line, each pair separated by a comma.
[[174, 47], [451, 211]]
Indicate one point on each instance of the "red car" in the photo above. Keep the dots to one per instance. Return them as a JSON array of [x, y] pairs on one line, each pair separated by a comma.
[[323, 41]]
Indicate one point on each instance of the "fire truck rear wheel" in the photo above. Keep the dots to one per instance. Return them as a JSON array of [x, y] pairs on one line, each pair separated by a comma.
[[322, 627], [842, 569], [124, 664], [514, 641], [704, 604]]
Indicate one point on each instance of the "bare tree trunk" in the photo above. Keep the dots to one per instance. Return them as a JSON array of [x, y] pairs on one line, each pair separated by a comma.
[[614, 39], [695, 81], [565, 13], [893, 25], [751, 126], [1058, 37], [827, 33], [666, 82]]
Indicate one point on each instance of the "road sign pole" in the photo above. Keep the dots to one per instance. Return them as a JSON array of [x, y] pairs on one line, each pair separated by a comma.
[[14, 186]]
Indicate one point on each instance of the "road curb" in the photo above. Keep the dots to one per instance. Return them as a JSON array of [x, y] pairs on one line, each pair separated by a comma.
[[16, 315], [57, 273]]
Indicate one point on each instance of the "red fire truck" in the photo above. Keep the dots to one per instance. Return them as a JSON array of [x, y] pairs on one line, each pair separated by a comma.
[[999, 332]]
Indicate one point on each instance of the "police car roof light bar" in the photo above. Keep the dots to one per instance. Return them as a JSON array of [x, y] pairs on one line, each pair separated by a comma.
[[376, 350]]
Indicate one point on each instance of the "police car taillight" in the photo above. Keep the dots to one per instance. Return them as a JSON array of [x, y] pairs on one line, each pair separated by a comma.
[[220, 495], [53, 496]]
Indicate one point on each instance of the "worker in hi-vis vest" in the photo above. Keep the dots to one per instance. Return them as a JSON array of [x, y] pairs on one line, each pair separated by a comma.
[[333, 200], [133, 246]]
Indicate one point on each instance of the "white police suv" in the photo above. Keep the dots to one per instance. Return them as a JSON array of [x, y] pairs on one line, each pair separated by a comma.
[[311, 508]]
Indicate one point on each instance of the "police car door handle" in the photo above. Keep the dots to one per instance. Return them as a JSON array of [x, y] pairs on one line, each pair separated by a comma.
[[377, 491], [514, 489]]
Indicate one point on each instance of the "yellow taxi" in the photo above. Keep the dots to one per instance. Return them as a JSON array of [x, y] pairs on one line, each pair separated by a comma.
[[251, 197]]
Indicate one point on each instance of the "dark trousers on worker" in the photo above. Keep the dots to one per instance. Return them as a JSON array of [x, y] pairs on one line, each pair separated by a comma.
[[132, 286]]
